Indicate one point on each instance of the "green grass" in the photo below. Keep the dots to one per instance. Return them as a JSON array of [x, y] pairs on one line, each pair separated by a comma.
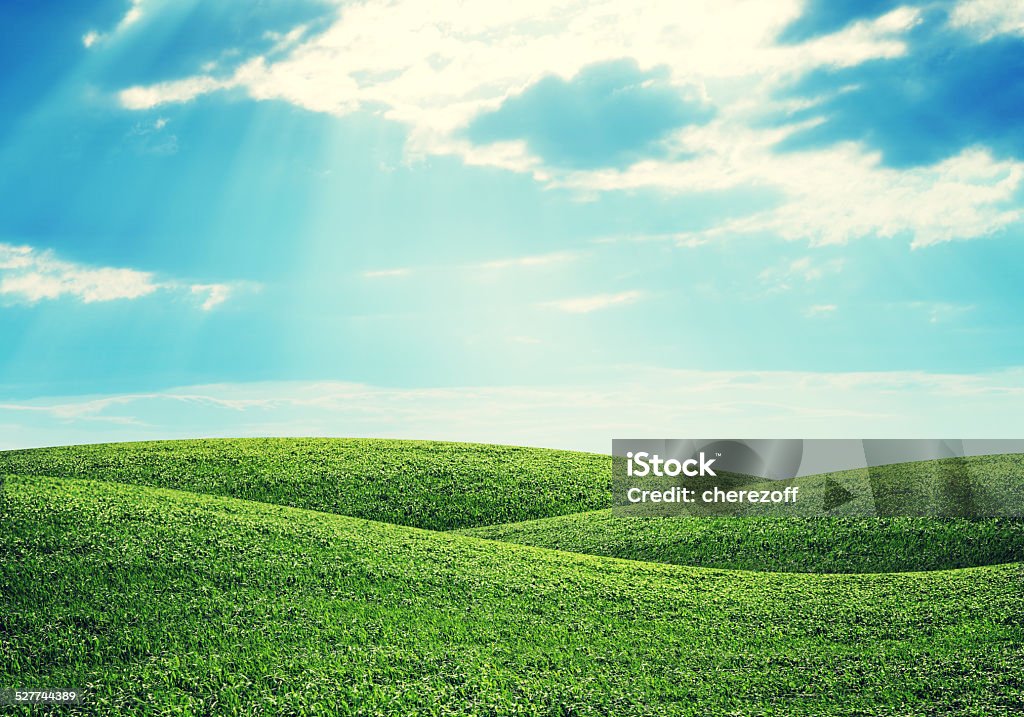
[[974, 486], [425, 484], [175, 603], [195, 601], [816, 545], [494, 489]]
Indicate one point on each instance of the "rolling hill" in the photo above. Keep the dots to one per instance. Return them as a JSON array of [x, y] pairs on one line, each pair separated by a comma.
[[199, 601], [423, 484]]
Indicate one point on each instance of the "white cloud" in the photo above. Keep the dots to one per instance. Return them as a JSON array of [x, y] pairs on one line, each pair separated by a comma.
[[143, 98], [805, 269], [531, 261], [15, 257], [633, 401], [534, 260], [131, 17], [988, 18], [587, 304], [29, 275], [837, 194], [683, 240], [820, 310], [387, 273], [286, 40], [213, 294], [939, 312], [434, 66]]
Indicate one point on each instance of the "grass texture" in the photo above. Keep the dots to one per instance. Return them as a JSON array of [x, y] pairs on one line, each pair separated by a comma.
[[814, 545], [439, 486], [162, 601]]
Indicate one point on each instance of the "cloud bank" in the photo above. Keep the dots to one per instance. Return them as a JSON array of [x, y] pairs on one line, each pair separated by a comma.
[[638, 401]]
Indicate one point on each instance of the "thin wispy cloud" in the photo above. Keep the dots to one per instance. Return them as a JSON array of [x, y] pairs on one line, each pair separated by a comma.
[[597, 302], [817, 311], [144, 98], [833, 195], [938, 312], [535, 260], [131, 17], [212, 295], [530, 261], [806, 269], [638, 400], [387, 273]]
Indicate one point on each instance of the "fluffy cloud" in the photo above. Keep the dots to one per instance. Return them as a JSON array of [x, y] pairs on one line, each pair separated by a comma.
[[988, 18], [435, 67], [444, 68], [29, 275]]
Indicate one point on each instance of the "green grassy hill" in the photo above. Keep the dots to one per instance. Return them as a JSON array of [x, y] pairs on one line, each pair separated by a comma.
[[816, 545], [174, 602], [217, 605], [425, 484], [538, 497]]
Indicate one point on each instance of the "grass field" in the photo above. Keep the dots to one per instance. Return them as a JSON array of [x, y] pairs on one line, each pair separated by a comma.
[[197, 601], [815, 545], [439, 486]]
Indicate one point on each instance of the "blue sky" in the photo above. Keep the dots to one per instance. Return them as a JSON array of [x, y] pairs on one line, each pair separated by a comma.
[[550, 223]]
